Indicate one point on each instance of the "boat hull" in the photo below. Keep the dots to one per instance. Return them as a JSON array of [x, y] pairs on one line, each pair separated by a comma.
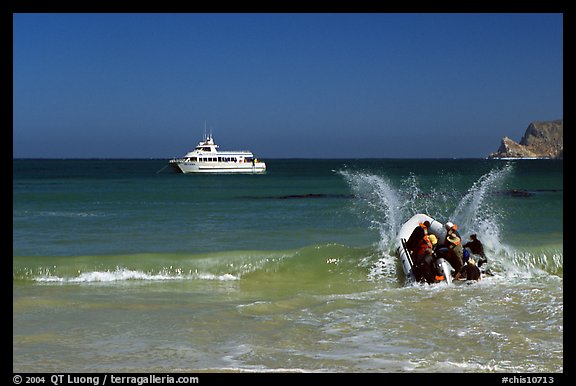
[[436, 228], [219, 167]]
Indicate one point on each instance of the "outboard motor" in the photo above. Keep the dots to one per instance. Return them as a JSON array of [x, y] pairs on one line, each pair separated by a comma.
[[443, 271]]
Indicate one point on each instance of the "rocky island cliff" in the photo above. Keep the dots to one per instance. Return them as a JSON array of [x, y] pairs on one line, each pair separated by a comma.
[[542, 139]]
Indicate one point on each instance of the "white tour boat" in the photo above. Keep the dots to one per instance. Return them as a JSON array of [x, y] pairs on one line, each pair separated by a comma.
[[206, 158]]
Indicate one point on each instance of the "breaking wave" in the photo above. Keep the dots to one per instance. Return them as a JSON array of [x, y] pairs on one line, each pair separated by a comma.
[[315, 263]]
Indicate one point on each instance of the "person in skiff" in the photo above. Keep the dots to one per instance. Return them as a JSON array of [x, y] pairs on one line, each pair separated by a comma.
[[434, 241], [420, 249], [476, 248], [419, 233], [452, 250], [423, 259], [469, 270]]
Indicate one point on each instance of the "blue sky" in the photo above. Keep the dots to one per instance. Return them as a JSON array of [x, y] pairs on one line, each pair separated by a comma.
[[344, 85]]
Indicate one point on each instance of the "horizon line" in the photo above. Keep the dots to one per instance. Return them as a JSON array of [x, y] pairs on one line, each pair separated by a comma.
[[280, 158]]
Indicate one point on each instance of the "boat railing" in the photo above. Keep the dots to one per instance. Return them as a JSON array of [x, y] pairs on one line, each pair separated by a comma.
[[234, 151]]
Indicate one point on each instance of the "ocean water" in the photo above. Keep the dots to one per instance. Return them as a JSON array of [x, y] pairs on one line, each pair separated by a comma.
[[124, 266]]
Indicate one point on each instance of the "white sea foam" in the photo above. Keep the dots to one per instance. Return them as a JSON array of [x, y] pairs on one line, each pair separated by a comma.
[[124, 274], [69, 214]]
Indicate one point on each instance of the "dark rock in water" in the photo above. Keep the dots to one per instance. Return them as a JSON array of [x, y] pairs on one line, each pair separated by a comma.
[[541, 140], [308, 195], [296, 196], [313, 195], [524, 192], [514, 193], [520, 193]]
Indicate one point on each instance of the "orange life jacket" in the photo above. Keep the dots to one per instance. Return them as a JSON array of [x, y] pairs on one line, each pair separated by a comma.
[[423, 244]]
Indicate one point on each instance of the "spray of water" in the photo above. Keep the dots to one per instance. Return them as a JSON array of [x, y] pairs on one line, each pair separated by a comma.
[[387, 207], [380, 202], [474, 213]]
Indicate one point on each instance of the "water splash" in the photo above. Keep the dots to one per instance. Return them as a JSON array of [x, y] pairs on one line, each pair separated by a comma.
[[380, 203], [386, 205], [411, 189], [511, 262], [475, 214], [383, 201]]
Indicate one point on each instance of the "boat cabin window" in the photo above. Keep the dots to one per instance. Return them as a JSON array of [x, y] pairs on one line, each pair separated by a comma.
[[193, 159], [206, 148]]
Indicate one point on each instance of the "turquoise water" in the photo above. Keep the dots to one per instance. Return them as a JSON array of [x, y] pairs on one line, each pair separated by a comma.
[[122, 265]]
